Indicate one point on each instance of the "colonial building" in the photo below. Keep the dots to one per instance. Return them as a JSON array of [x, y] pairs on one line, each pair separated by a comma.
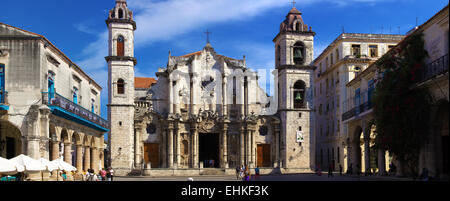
[[434, 77], [205, 113], [343, 60], [44, 96]]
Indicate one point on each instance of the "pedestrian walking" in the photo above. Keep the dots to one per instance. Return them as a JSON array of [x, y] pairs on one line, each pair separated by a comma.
[[330, 171], [103, 174], [238, 170], [111, 170], [340, 169], [257, 173], [108, 175]]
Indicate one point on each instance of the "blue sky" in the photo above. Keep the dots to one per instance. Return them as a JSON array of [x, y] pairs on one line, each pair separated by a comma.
[[239, 27]]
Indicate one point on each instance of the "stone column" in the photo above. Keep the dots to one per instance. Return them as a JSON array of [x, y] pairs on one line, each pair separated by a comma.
[[55, 150], [33, 138], [68, 153], [276, 161], [170, 145], [196, 155], [45, 127], [241, 143], [87, 157], [248, 147], [170, 96], [381, 162], [366, 155], [94, 159], [177, 144], [225, 146], [137, 140], [253, 148], [242, 98], [79, 157], [224, 92]]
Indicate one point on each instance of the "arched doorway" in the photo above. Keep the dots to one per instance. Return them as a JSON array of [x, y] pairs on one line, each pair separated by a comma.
[[10, 140], [63, 146], [358, 149]]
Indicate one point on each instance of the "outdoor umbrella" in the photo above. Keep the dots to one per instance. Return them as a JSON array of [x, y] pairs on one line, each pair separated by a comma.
[[63, 165], [11, 167], [29, 163], [50, 166]]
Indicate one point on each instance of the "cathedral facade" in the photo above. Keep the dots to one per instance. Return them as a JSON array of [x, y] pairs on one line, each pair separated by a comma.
[[205, 112]]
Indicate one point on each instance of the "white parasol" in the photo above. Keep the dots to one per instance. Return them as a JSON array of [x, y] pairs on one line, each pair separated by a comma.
[[50, 166], [7, 166], [29, 163], [62, 165]]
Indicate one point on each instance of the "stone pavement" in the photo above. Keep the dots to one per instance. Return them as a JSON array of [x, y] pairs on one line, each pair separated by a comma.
[[284, 177]]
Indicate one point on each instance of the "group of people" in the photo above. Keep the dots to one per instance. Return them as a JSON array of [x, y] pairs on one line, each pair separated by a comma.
[[243, 173], [331, 169], [89, 175]]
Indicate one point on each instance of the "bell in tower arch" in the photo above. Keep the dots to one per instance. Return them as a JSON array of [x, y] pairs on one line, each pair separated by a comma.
[[299, 49]]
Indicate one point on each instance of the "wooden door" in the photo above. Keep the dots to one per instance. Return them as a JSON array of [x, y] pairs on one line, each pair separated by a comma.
[[151, 154], [263, 155]]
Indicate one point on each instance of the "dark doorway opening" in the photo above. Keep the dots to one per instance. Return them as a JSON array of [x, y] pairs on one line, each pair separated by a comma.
[[445, 155], [10, 148], [209, 150]]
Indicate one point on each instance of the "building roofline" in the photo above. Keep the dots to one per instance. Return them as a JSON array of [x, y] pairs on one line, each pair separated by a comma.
[[364, 36], [59, 51], [418, 29]]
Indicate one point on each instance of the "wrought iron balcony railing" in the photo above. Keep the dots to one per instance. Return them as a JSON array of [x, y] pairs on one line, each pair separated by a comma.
[[433, 69], [357, 105], [66, 104]]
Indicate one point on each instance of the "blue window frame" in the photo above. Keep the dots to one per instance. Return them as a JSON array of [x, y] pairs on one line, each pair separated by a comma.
[[92, 106], [2, 83], [75, 95], [51, 87]]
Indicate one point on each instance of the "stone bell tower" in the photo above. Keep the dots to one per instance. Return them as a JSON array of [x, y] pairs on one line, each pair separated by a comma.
[[294, 47], [121, 64]]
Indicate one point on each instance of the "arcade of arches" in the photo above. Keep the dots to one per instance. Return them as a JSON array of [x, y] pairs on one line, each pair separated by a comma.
[[83, 151]]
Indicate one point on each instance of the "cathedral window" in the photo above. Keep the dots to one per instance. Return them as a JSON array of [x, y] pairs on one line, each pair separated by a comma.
[[299, 53], [120, 46], [120, 86], [299, 94]]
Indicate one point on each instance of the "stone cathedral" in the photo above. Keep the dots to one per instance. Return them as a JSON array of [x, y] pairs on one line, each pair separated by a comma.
[[205, 113]]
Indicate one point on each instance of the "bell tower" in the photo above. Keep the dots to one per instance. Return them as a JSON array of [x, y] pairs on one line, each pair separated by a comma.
[[294, 54], [121, 64]]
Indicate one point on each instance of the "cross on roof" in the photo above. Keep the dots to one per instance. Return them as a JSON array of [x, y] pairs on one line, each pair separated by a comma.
[[293, 3], [207, 35]]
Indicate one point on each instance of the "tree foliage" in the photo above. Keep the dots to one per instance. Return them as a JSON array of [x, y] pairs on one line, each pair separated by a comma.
[[401, 111]]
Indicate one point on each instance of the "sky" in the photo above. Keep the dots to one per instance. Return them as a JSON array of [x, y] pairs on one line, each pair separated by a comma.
[[239, 27]]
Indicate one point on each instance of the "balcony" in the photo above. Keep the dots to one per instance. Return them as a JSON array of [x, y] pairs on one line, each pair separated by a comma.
[[65, 108], [355, 107], [4, 100], [433, 69]]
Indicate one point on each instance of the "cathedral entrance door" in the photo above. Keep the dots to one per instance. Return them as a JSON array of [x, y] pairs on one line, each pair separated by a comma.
[[263, 155], [151, 154], [209, 150]]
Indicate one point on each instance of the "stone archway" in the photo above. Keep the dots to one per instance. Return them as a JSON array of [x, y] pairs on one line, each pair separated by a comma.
[[10, 140], [358, 150]]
